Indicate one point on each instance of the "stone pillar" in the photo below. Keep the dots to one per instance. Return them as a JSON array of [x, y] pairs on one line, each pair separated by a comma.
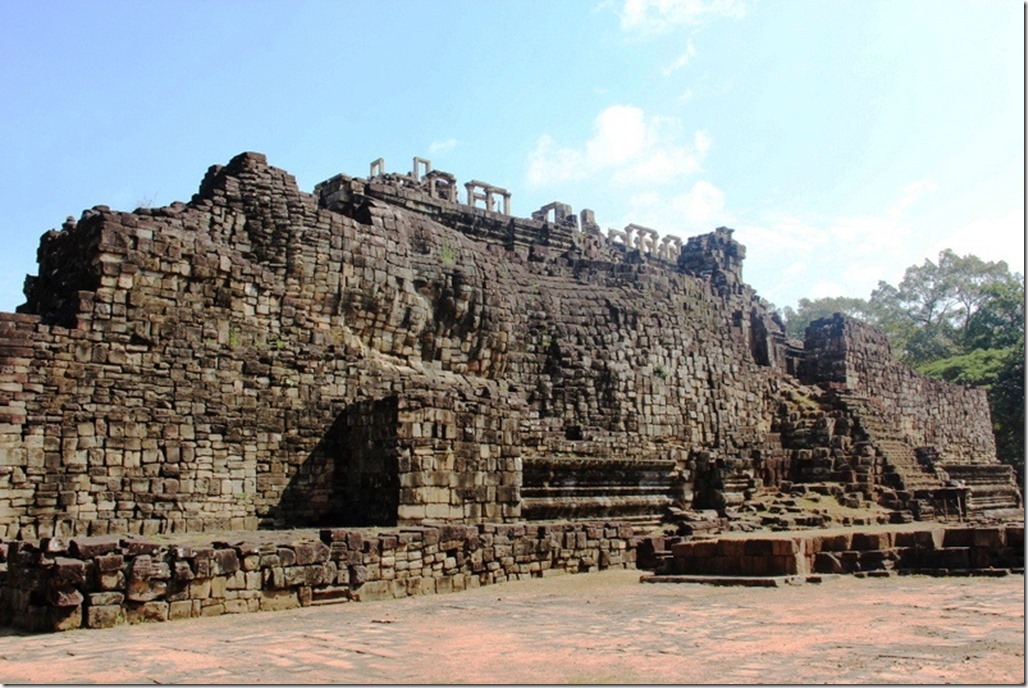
[[420, 163]]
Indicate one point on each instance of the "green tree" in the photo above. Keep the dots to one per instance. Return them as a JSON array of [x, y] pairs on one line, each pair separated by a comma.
[[999, 322], [808, 310], [949, 308], [1006, 399]]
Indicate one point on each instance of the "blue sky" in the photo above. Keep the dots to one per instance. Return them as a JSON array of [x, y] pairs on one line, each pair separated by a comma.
[[844, 140]]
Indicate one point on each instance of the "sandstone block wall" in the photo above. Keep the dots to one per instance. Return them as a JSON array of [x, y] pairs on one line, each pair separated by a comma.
[[100, 582], [232, 362], [926, 412]]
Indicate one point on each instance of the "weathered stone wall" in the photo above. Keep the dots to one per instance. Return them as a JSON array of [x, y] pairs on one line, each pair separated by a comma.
[[224, 337], [220, 364], [105, 581], [926, 412], [99, 582]]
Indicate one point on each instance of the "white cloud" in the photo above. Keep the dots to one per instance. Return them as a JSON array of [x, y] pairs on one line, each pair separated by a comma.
[[912, 193], [844, 255], [620, 133], [647, 17], [683, 59], [441, 146], [633, 149], [695, 211], [778, 232], [703, 141], [991, 237], [867, 234], [550, 165]]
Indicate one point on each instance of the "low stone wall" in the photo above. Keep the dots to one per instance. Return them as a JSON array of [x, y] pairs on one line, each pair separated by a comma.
[[926, 548], [104, 581]]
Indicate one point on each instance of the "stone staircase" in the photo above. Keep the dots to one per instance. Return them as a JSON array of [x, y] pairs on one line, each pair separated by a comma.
[[993, 488], [902, 470]]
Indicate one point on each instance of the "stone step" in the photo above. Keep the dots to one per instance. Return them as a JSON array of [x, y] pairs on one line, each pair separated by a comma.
[[606, 507]]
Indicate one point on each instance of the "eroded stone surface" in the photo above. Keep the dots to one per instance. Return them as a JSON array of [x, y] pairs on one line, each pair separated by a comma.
[[379, 353]]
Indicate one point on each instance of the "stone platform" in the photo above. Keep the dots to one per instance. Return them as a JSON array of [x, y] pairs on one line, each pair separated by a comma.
[[906, 547]]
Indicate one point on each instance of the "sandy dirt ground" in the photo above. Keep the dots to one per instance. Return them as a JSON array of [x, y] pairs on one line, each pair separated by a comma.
[[588, 628]]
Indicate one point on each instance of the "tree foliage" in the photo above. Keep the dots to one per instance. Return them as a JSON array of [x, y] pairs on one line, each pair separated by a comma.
[[949, 308], [1006, 398], [810, 310]]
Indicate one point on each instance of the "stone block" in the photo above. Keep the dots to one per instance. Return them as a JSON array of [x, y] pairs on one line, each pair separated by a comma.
[[113, 580], [958, 537], [833, 543], [226, 562], [101, 599], [759, 548], [236, 606], [131, 547], [872, 540], [65, 618], [277, 600], [64, 596], [145, 590], [181, 609], [989, 537], [212, 609], [730, 548], [931, 538], [949, 558], [107, 563], [200, 589], [828, 562], [376, 590], [68, 572], [94, 546], [156, 610], [104, 616]]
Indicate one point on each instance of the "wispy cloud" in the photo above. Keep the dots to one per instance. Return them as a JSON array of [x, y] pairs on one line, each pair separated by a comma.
[[442, 146], [683, 59], [853, 251], [697, 210], [650, 17], [628, 147], [912, 193]]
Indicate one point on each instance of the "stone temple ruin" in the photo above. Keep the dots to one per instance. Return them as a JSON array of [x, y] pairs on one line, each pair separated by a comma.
[[379, 352], [513, 396]]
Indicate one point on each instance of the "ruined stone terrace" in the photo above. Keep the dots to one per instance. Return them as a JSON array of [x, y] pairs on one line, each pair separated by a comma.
[[377, 353]]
